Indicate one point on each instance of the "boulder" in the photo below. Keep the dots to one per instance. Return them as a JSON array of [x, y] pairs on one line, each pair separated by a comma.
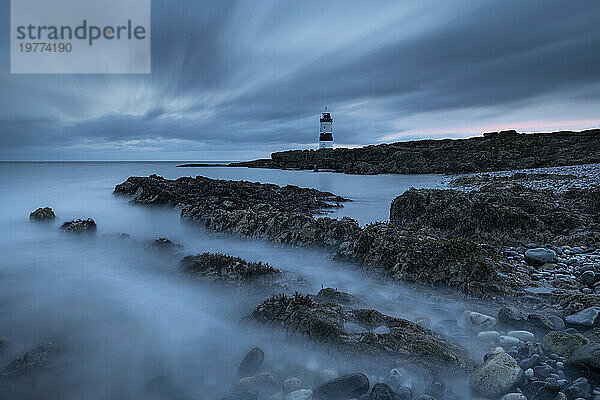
[[496, 376], [251, 363], [579, 388], [585, 360], [540, 256], [478, 321], [43, 214], [524, 336], [587, 317], [563, 343], [79, 226], [381, 391], [345, 387], [326, 325], [512, 317]]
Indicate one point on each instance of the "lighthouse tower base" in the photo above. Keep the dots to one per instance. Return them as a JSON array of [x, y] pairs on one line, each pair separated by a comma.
[[326, 144]]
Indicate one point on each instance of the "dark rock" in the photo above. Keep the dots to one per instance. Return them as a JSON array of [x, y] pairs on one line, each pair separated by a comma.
[[585, 360], [43, 214], [329, 295], [589, 278], [209, 194], [346, 387], [79, 226], [579, 388], [324, 324], [539, 322], [587, 317], [228, 269], [496, 376], [500, 215], [165, 244], [540, 256], [511, 317], [31, 361], [284, 215], [563, 343], [435, 389], [381, 391], [251, 363], [501, 151], [557, 322], [542, 371], [425, 397]]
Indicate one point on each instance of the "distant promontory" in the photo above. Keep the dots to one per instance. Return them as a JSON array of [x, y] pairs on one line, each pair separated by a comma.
[[494, 151]]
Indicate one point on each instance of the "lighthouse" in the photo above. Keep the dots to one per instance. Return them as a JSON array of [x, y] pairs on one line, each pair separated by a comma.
[[326, 130]]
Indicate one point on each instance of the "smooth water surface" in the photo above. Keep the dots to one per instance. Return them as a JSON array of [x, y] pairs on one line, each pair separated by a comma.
[[125, 318]]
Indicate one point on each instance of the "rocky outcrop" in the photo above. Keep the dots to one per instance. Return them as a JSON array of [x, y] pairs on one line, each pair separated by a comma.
[[512, 214], [30, 362], [394, 253], [495, 151], [326, 325], [43, 214], [204, 195], [79, 226], [228, 269]]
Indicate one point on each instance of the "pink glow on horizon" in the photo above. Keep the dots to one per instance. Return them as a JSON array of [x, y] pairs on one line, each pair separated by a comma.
[[523, 127]]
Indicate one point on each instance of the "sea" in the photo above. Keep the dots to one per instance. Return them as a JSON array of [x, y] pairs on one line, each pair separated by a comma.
[[128, 324]]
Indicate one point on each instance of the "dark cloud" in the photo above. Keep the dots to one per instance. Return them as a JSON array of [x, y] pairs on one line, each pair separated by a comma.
[[239, 74]]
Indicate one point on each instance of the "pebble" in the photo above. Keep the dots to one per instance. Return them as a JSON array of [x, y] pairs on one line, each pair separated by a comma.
[[479, 321], [524, 336], [508, 341], [488, 336], [542, 371], [528, 373]]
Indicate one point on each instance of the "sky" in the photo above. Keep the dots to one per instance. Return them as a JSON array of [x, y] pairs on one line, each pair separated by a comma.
[[237, 80]]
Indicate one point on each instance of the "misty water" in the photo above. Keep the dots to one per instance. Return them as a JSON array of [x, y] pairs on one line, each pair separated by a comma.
[[128, 323]]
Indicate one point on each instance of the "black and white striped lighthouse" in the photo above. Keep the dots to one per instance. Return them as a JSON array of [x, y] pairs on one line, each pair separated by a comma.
[[326, 130]]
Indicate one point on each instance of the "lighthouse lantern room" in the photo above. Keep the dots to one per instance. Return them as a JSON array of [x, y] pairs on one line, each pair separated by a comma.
[[325, 130]]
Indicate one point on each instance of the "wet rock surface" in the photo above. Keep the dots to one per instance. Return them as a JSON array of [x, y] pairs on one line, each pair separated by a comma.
[[495, 151], [208, 194], [344, 387], [35, 359], [44, 214], [397, 254], [325, 325], [496, 376], [508, 215], [79, 226]]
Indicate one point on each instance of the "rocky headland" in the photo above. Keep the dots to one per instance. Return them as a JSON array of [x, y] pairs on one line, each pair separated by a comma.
[[494, 151], [522, 248]]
